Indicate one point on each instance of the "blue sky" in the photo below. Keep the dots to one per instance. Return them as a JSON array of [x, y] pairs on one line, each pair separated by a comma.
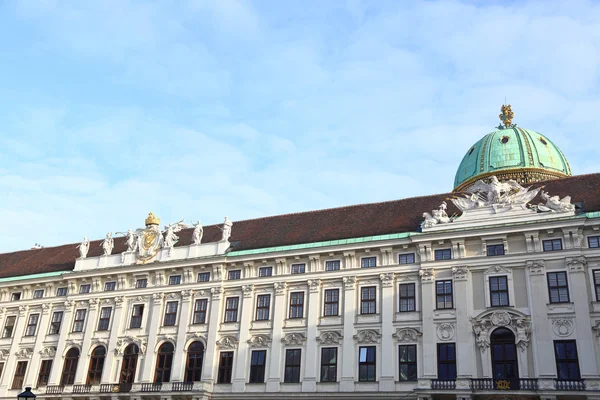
[[201, 109]]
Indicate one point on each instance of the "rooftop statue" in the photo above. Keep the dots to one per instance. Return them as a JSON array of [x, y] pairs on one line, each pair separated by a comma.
[[227, 224], [555, 204], [170, 237], [483, 194], [84, 247], [197, 234], [108, 244], [439, 216], [131, 239]]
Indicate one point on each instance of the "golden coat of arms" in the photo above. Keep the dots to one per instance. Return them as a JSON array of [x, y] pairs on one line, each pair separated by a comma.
[[149, 239]]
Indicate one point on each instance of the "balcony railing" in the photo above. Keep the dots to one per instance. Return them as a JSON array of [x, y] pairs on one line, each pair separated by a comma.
[[182, 386], [56, 389], [443, 384], [78, 389], [151, 387], [572, 384], [504, 384], [115, 387]]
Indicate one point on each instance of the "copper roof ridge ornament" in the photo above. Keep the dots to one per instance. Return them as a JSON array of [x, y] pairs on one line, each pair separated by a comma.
[[506, 116]]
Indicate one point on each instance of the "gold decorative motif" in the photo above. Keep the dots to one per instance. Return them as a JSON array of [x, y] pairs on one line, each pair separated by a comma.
[[520, 175], [502, 385], [507, 115], [526, 140], [152, 220]]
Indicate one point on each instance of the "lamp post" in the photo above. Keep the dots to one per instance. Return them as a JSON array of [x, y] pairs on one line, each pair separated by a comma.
[[26, 395]]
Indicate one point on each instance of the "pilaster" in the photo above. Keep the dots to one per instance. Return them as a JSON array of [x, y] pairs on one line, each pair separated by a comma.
[[119, 323], [34, 366], [239, 373], [83, 363], [309, 383], [388, 361], [429, 340], [543, 359], [210, 361], [152, 330], [65, 330], [180, 351], [275, 357], [347, 379], [465, 342]]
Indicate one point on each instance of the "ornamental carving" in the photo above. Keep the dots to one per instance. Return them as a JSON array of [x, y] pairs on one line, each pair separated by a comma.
[[445, 331], [196, 335], [387, 280], [118, 301], [216, 292], [280, 288], [48, 352], [460, 273], [4, 354], [294, 339], [24, 353], [123, 343], [314, 285], [436, 217], [330, 337], [407, 335], [247, 290], [158, 297], [536, 267], [497, 269], [427, 274], [349, 282], [260, 341], [168, 338], [367, 336], [173, 296], [495, 193], [484, 324], [577, 264], [562, 327], [228, 342], [186, 295]]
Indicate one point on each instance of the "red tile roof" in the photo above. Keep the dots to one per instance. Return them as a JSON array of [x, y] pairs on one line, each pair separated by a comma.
[[305, 227]]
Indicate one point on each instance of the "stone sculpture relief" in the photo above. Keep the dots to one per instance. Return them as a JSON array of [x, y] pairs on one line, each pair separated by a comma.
[[197, 234], [108, 244], [260, 341], [330, 337], [294, 339], [131, 239], [227, 342], [485, 323], [227, 224], [84, 247], [407, 335], [555, 204], [48, 352], [438, 216], [367, 336], [483, 194]]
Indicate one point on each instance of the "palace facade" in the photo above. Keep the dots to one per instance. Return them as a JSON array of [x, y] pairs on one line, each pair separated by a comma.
[[491, 290]]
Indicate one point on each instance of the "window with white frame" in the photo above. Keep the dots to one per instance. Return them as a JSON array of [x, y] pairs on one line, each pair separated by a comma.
[[204, 277], [368, 262], [332, 265], [408, 258], [32, 324], [407, 297], [298, 268], [265, 271], [175, 280], [110, 286], [499, 291], [38, 293], [234, 274]]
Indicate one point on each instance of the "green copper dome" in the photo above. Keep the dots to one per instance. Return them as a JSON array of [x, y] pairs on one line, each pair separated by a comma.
[[512, 153]]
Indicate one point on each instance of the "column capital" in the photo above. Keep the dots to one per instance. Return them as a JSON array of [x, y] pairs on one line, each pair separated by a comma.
[[387, 279], [349, 282], [280, 288], [157, 298], [535, 267], [427, 274], [576, 264], [93, 303], [186, 295], [247, 290], [460, 273], [216, 292], [314, 285]]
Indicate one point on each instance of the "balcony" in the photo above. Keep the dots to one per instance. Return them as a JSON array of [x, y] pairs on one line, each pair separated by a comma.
[[443, 384], [569, 384], [55, 389], [79, 389], [504, 384], [151, 387], [182, 386], [115, 387]]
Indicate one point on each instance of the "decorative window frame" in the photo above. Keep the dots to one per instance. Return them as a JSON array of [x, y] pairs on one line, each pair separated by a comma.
[[499, 270], [378, 262], [493, 240], [333, 259], [415, 253], [110, 320], [302, 363], [130, 314], [402, 281], [375, 282], [288, 298]]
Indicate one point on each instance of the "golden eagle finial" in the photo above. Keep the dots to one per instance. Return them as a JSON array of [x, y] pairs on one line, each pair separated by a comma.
[[507, 115]]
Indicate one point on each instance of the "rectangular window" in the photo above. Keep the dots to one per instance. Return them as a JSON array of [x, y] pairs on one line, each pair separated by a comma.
[[79, 320], [367, 300], [407, 258], [231, 309], [225, 367], [265, 271], [204, 277], [44, 375], [38, 293], [495, 250], [84, 288], [136, 316], [55, 323], [593, 242], [235, 274], [61, 291], [298, 268], [175, 280], [32, 324], [170, 313], [567, 362], [292, 366], [329, 364], [443, 290], [15, 296], [104, 320], [446, 355], [332, 300], [596, 273], [408, 362], [9, 326], [558, 287], [368, 262], [17, 382], [257, 366], [297, 305], [200, 311], [552, 245], [407, 297], [443, 254], [141, 283], [332, 265], [366, 364], [110, 286], [499, 291], [263, 303]]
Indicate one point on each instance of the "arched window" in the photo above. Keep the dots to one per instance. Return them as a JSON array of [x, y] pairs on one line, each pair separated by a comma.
[[129, 364], [504, 356], [163, 363], [96, 366], [193, 367], [70, 367]]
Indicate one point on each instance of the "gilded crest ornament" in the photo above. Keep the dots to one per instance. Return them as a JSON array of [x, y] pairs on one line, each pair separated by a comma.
[[507, 115], [149, 239]]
